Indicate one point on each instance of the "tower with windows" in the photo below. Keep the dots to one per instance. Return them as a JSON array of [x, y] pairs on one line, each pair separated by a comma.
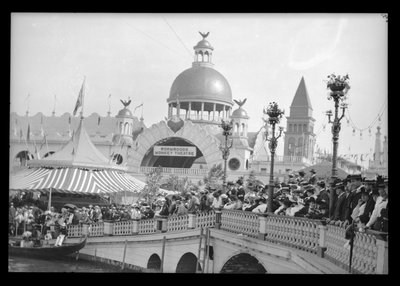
[[299, 134]]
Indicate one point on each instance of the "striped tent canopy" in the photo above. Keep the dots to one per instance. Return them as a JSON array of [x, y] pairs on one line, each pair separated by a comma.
[[74, 180]]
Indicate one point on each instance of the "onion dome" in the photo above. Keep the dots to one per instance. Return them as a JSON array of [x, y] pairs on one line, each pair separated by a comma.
[[125, 112], [239, 113]]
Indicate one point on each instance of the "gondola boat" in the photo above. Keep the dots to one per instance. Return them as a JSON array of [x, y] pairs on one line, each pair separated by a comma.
[[47, 251]]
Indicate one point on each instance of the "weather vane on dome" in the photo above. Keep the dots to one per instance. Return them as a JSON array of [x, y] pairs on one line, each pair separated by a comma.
[[126, 102], [240, 102], [204, 35]]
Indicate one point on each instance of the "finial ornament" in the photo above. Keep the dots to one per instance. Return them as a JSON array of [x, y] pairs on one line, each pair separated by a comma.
[[204, 35], [240, 102], [126, 102]]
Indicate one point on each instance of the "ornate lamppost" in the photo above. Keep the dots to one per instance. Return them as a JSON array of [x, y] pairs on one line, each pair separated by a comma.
[[274, 116], [226, 127], [338, 86]]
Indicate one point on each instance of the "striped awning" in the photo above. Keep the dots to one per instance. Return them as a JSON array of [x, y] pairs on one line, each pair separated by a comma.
[[74, 180]]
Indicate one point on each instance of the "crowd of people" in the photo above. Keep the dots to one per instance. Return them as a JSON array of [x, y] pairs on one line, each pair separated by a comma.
[[355, 200]]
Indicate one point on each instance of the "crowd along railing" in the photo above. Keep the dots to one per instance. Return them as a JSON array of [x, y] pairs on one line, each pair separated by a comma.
[[370, 251]]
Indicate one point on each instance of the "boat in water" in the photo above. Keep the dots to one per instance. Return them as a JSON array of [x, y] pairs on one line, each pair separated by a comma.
[[47, 251]]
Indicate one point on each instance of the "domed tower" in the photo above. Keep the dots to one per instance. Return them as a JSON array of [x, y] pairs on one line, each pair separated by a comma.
[[241, 151], [201, 94], [124, 126], [240, 118]]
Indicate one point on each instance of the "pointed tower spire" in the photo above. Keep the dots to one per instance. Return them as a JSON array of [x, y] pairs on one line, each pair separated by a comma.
[[301, 102]]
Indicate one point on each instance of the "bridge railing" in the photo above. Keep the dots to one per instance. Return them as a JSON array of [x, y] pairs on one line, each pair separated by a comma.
[[300, 233], [240, 222], [370, 251]]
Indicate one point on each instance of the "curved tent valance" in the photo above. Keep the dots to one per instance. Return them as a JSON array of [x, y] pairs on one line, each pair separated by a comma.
[[74, 180]]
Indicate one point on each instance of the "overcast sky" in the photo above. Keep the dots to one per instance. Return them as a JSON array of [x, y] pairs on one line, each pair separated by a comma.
[[263, 57]]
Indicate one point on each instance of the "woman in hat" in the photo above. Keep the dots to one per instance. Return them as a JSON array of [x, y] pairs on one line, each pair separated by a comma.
[[381, 203], [313, 178]]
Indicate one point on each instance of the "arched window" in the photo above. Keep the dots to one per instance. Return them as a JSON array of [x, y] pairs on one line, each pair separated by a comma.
[[305, 128], [299, 127], [120, 128], [300, 146], [206, 57], [295, 128], [200, 56], [243, 132], [291, 146], [126, 128], [237, 128], [290, 127]]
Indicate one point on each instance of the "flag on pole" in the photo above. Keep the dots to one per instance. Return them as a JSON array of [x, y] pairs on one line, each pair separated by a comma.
[[140, 105], [28, 137], [44, 141], [79, 101]]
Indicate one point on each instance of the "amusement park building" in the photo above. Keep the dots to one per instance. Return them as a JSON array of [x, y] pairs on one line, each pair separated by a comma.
[[187, 143]]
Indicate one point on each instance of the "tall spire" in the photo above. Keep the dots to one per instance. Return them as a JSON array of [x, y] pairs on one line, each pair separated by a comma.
[[301, 98], [301, 104], [378, 148]]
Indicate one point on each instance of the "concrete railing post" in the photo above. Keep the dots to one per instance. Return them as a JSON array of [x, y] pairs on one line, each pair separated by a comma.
[[263, 227], [108, 228], [192, 220], [85, 229], [382, 257], [322, 239], [162, 222], [218, 215], [135, 226]]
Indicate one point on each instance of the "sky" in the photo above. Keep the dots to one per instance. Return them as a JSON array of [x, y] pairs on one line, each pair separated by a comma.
[[263, 57]]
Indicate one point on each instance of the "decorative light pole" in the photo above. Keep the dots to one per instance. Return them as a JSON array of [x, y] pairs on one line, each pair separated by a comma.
[[274, 116], [338, 86], [226, 127]]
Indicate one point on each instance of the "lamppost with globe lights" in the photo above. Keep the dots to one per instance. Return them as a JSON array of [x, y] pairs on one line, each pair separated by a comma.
[[226, 131], [274, 116], [338, 86]]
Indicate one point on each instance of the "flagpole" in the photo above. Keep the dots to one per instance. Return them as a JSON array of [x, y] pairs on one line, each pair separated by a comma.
[[83, 95]]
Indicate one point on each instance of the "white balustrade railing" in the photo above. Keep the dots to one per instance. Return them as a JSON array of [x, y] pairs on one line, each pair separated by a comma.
[[365, 250], [147, 226], [205, 219], [123, 227], [75, 230], [296, 232], [241, 222], [177, 222], [96, 229]]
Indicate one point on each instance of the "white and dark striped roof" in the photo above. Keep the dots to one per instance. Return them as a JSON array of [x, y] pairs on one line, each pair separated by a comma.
[[74, 180]]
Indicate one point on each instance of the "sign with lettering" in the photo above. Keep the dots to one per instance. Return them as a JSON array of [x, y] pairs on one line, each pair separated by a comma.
[[177, 151]]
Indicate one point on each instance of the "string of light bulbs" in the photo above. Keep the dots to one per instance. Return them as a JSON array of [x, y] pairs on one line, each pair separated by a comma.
[[373, 122]]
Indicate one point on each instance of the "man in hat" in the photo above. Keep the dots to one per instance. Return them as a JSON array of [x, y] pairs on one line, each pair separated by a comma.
[[354, 186], [301, 178], [313, 179], [232, 191], [240, 190], [339, 210]]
